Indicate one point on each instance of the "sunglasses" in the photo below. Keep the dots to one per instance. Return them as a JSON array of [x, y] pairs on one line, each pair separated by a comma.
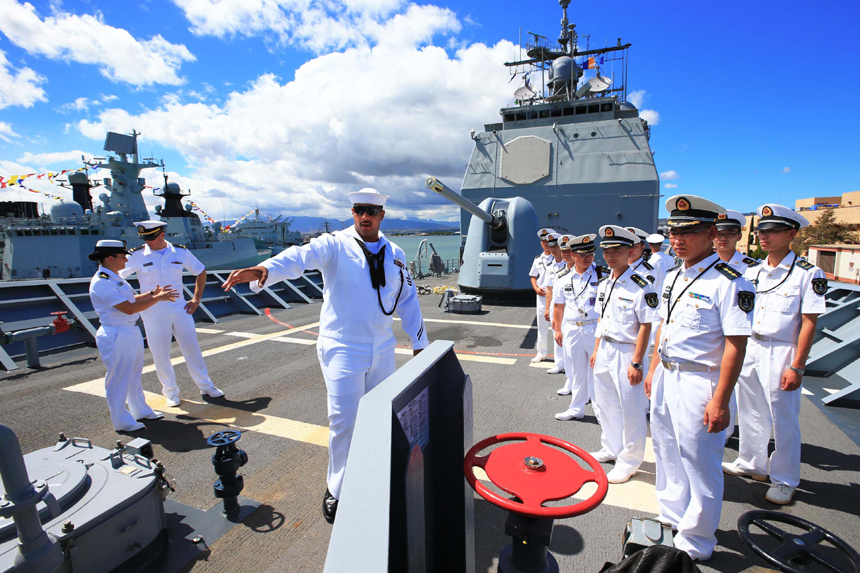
[[371, 210], [153, 237], [674, 234]]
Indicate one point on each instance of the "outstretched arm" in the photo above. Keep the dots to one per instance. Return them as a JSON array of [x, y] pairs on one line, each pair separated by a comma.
[[289, 264], [145, 300]]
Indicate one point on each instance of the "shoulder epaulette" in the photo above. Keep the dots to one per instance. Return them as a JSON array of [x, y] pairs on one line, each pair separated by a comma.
[[639, 280], [675, 268], [749, 261], [561, 273], [727, 271], [804, 264], [539, 256], [603, 269], [181, 247], [104, 275], [648, 265], [135, 249], [599, 272]]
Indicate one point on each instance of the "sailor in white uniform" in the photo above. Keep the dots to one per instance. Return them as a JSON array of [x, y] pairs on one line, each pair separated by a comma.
[[729, 227], [366, 281], [538, 273], [118, 338], [557, 266], [627, 305], [706, 311], [659, 259], [574, 296], [642, 266], [789, 297], [159, 262]]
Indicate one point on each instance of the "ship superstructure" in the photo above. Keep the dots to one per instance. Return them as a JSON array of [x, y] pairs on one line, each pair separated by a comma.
[[271, 233], [56, 245], [572, 146]]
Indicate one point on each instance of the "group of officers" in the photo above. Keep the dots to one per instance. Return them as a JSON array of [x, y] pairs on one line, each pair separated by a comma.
[[685, 343], [718, 339]]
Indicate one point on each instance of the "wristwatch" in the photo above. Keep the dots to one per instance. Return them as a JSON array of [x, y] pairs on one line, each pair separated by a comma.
[[636, 365], [798, 371]]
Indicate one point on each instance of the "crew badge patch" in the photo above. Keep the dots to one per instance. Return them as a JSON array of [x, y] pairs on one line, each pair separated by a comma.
[[819, 286], [746, 300], [652, 299]]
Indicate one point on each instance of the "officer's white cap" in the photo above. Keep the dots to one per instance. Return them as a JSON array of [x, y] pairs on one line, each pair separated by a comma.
[[688, 210], [656, 239], [614, 236], [640, 234], [367, 196], [544, 232], [107, 247], [775, 216], [731, 218], [552, 238], [148, 227], [110, 244], [580, 244]]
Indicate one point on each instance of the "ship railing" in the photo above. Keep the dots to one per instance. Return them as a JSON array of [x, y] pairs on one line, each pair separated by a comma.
[[421, 269], [26, 304]]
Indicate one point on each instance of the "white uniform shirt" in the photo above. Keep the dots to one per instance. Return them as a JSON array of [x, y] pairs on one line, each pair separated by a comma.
[[540, 267], [162, 268], [703, 312], [645, 269], [107, 289], [741, 262], [624, 306], [577, 292], [350, 309], [661, 261], [778, 309], [552, 272]]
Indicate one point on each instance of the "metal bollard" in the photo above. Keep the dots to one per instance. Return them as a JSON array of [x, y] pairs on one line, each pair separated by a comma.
[[227, 460]]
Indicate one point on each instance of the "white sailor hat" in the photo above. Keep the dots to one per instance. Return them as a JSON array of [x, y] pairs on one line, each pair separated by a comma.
[[107, 247], [615, 236], [640, 234], [146, 228], [688, 210], [544, 232], [729, 219], [367, 196], [655, 239], [580, 244], [776, 216]]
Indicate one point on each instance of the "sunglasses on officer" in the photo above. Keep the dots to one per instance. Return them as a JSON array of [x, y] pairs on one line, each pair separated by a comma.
[[371, 210], [153, 237]]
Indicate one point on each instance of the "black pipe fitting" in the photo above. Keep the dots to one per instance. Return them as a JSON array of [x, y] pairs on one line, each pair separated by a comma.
[[227, 460]]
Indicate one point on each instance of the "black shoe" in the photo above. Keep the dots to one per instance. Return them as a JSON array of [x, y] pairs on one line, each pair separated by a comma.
[[329, 506]]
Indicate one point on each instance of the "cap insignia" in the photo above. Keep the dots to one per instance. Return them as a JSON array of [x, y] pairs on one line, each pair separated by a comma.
[[767, 212], [586, 240], [722, 216], [682, 204], [610, 232], [141, 229]]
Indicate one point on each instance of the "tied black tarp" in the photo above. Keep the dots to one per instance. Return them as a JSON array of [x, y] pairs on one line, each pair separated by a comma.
[[654, 559], [376, 264]]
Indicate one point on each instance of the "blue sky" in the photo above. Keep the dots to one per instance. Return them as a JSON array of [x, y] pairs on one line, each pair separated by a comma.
[[286, 104]]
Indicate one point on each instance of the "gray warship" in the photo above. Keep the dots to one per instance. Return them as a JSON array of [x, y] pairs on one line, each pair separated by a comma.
[[56, 246], [274, 234], [573, 147]]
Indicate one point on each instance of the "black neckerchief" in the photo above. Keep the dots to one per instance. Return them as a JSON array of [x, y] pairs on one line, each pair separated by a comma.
[[376, 265], [671, 288], [790, 269], [609, 296]]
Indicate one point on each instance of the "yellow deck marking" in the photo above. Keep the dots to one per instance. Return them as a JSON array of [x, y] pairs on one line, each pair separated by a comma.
[[478, 323], [468, 357], [637, 494], [543, 364], [241, 334], [209, 331], [305, 341]]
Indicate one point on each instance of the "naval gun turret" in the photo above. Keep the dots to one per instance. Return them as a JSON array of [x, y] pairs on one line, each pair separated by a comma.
[[500, 244]]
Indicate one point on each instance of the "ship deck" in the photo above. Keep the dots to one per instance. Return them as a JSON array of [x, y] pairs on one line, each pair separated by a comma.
[[275, 394]]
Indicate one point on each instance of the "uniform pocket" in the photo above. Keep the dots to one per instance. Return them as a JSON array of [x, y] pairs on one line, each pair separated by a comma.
[[700, 315], [788, 300]]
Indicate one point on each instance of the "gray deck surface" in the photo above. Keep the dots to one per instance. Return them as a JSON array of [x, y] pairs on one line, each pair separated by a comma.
[[270, 383]]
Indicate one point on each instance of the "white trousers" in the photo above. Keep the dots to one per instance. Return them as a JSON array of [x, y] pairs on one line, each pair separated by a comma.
[[766, 410], [543, 330], [350, 370], [161, 324], [121, 349], [578, 347], [689, 482], [622, 406]]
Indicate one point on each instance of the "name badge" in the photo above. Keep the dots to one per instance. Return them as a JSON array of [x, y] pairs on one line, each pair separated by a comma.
[[591, 301], [176, 262], [147, 264]]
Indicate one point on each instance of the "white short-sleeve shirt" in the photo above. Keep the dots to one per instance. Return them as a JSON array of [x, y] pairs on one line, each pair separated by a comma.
[[107, 289], [577, 292], [162, 268], [625, 304]]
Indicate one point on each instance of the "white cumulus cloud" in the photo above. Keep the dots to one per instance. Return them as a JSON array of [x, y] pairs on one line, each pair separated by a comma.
[[87, 39], [21, 87], [670, 186], [638, 98], [6, 132], [786, 169], [44, 159], [671, 174]]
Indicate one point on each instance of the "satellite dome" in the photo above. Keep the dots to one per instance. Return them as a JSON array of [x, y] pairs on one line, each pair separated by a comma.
[[66, 211], [173, 188], [78, 178], [626, 105]]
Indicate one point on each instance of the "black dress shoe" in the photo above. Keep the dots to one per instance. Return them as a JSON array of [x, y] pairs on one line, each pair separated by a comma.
[[329, 506]]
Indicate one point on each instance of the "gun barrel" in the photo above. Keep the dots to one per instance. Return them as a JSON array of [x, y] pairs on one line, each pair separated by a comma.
[[435, 185]]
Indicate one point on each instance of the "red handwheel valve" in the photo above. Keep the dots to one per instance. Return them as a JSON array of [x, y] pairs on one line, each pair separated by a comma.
[[533, 472], [60, 323]]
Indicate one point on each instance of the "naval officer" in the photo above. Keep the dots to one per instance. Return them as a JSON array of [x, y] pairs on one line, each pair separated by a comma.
[[159, 262], [789, 297], [538, 273], [558, 265], [118, 338], [574, 296], [659, 259], [365, 282], [627, 305], [729, 231], [706, 313], [642, 266]]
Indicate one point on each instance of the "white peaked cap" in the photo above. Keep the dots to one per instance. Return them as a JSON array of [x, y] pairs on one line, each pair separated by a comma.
[[367, 196], [731, 218], [655, 239], [773, 216]]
